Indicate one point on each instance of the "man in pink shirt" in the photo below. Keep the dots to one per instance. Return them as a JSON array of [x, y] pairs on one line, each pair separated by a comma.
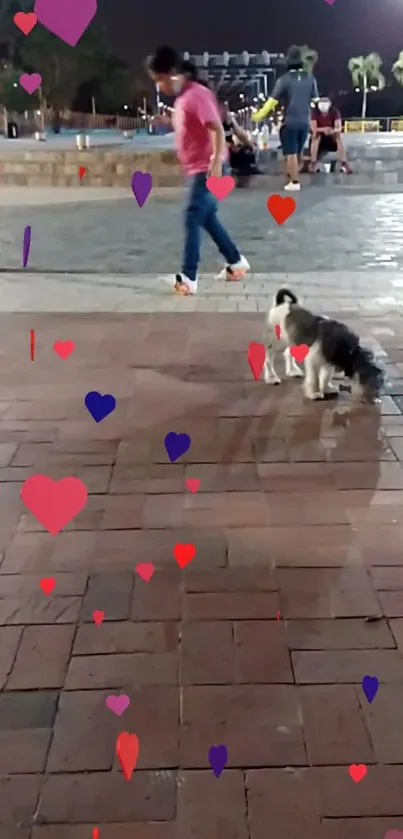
[[201, 148]]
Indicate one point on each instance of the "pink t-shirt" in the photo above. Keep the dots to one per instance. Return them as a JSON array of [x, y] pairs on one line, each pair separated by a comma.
[[194, 108]]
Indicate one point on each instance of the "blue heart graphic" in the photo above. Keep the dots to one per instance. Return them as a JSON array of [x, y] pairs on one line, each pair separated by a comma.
[[99, 406], [176, 445]]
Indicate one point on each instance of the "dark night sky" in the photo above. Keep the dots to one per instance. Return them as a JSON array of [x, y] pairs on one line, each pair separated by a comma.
[[349, 27]]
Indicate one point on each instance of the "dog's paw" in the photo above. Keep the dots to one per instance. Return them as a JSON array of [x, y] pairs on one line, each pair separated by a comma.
[[273, 380], [313, 395]]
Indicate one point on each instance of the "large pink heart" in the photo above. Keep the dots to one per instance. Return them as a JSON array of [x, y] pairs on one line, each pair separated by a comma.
[[54, 503], [68, 19], [220, 187]]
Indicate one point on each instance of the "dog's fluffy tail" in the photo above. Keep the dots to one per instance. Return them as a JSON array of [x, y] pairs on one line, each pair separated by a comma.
[[284, 294]]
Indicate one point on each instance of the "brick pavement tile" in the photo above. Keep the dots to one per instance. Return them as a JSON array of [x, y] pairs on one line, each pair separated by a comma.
[[294, 477], [387, 579], [147, 479], [42, 658], [285, 799], [361, 475], [23, 751], [39, 609], [326, 592], [259, 724], [126, 637], [103, 797], [207, 807], [134, 830], [18, 799], [291, 546], [10, 637], [334, 727], [387, 739], [127, 669], [153, 714], [379, 794], [27, 710], [108, 592], [7, 452], [302, 508], [230, 605], [235, 509], [391, 603], [380, 544], [396, 627], [224, 477], [255, 579], [262, 652], [198, 665], [338, 634], [346, 666], [161, 600], [29, 584], [95, 478], [361, 828]]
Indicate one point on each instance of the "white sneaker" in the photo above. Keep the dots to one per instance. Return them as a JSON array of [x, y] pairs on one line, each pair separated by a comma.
[[292, 187], [180, 284], [236, 271]]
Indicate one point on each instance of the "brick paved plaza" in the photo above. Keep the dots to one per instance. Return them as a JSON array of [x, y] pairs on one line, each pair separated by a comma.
[[296, 590]]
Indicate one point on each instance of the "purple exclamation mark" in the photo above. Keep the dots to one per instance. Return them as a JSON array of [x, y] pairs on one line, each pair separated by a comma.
[[26, 246]]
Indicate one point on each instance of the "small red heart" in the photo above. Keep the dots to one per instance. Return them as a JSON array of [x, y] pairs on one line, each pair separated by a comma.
[[98, 616], [64, 348], [192, 484], [81, 172], [277, 331], [280, 208], [184, 554], [299, 352], [47, 584], [256, 358], [145, 570], [357, 771], [25, 21], [220, 187]]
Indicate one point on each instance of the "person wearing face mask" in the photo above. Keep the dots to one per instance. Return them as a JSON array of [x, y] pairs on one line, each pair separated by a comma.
[[326, 129], [201, 148]]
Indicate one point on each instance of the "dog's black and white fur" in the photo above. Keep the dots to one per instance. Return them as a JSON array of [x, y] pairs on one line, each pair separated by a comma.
[[332, 347]]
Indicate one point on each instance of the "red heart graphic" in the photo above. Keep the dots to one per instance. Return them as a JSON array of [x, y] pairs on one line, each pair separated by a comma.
[[54, 503], [145, 570], [184, 554], [64, 348], [280, 208], [277, 331], [299, 352], [47, 584], [127, 750], [357, 771], [256, 358], [192, 484], [25, 21], [98, 617], [220, 187], [81, 172]]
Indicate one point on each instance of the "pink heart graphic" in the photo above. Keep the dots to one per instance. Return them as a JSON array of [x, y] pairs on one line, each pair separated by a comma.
[[54, 503], [30, 81], [192, 484], [329, 2], [394, 834], [68, 19], [64, 348], [145, 570], [117, 704], [220, 187]]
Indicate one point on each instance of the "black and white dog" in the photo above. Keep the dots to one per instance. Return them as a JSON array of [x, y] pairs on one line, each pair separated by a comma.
[[331, 347]]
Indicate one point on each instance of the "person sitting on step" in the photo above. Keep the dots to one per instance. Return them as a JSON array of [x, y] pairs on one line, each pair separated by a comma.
[[326, 129]]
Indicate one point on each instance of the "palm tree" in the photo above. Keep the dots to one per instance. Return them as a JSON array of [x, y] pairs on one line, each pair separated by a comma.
[[366, 72], [309, 57]]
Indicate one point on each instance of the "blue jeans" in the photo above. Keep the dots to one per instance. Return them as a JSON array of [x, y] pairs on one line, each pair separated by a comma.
[[201, 212]]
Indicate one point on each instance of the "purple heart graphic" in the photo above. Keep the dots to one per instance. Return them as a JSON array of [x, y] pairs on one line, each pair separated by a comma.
[[30, 82], [68, 19], [176, 445], [141, 185], [99, 406], [218, 757], [117, 704], [370, 685]]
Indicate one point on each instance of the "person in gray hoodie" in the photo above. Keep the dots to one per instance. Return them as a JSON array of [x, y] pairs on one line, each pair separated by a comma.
[[295, 90]]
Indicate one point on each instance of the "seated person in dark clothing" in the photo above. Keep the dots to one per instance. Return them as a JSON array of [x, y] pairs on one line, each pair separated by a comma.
[[326, 134], [242, 156]]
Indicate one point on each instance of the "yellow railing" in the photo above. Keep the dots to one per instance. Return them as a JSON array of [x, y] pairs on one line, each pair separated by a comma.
[[362, 125]]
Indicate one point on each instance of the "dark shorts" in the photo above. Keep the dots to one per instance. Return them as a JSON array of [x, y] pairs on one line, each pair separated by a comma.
[[293, 139], [326, 144]]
